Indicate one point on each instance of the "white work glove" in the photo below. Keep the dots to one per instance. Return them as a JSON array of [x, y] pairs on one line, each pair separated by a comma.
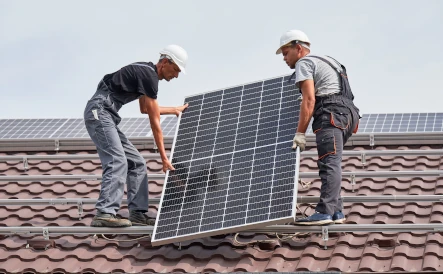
[[299, 141]]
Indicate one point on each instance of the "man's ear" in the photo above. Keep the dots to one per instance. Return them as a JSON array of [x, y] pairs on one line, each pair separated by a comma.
[[162, 61]]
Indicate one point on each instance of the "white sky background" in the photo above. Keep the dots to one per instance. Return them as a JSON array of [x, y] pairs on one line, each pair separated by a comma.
[[54, 53]]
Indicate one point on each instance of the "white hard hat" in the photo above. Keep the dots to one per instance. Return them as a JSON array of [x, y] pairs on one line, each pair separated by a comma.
[[293, 35], [178, 56]]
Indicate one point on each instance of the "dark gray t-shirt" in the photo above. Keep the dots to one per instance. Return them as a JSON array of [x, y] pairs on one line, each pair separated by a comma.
[[134, 80], [326, 79]]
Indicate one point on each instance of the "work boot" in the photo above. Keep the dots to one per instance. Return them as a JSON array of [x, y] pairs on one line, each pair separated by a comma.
[[138, 217], [109, 220]]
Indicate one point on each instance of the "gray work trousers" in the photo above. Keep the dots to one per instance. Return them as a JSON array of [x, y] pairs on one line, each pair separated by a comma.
[[330, 138], [121, 161]]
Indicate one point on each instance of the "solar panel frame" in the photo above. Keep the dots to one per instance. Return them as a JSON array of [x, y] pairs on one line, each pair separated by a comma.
[[275, 145]]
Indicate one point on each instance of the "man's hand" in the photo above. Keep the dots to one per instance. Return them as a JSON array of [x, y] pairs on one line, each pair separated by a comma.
[[167, 165], [180, 109], [299, 141]]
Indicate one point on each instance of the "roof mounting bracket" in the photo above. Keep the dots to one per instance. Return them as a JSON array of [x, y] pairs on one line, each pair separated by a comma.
[[25, 164], [371, 140], [155, 147], [353, 181], [325, 235], [46, 233], [80, 209], [363, 159], [57, 145]]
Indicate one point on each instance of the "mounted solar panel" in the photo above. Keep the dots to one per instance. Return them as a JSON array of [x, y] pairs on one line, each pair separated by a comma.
[[235, 168], [135, 127], [140, 127], [29, 128], [402, 122], [75, 128]]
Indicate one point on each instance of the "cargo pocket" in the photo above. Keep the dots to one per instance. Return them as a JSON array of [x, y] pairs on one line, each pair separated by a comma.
[[100, 135], [340, 120], [96, 123], [325, 143]]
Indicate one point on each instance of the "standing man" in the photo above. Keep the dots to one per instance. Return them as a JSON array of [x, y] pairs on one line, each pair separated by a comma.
[[327, 97], [121, 161]]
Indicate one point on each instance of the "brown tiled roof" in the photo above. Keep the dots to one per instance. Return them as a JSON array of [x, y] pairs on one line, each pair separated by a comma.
[[347, 252]]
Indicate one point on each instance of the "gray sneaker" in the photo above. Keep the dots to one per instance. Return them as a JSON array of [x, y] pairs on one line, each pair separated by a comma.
[[140, 218], [109, 220]]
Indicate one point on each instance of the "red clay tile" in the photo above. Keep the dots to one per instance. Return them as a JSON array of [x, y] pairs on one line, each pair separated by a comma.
[[414, 219], [248, 264], [405, 264], [371, 263], [340, 264], [432, 258], [312, 264], [277, 264]]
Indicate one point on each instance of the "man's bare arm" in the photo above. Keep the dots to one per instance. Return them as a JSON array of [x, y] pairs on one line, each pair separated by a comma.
[[173, 110], [307, 105], [143, 102], [153, 111]]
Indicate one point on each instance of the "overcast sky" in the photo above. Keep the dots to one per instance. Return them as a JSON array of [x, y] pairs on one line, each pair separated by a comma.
[[54, 53]]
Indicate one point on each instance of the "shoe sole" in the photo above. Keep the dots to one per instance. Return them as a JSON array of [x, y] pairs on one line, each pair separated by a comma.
[[138, 224], [324, 222], [103, 223], [340, 221], [142, 224]]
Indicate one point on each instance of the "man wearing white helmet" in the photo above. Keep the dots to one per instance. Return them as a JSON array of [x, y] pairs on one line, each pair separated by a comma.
[[327, 97], [121, 161]]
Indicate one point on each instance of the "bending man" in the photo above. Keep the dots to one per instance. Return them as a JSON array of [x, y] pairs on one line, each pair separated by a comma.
[[121, 161]]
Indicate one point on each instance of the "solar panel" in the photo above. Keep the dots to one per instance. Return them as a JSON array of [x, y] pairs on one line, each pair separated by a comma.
[[235, 168], [29, 128], [135, 127], [401, 122], [75, 128]]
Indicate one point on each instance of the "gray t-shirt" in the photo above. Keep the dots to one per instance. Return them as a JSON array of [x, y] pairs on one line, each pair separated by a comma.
[[326, 79]]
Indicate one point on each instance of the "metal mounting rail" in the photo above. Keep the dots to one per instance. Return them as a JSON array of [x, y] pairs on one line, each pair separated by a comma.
[[380, 174], [27, 178], [68, 157], [159, 176], [350, 228], [376, 199], [154, 156], [55, 230], [300, 199], [59, 201], [392, 152]]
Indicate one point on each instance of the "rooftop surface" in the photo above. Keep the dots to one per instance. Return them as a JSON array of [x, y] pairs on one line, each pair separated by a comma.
[[347, 252]]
